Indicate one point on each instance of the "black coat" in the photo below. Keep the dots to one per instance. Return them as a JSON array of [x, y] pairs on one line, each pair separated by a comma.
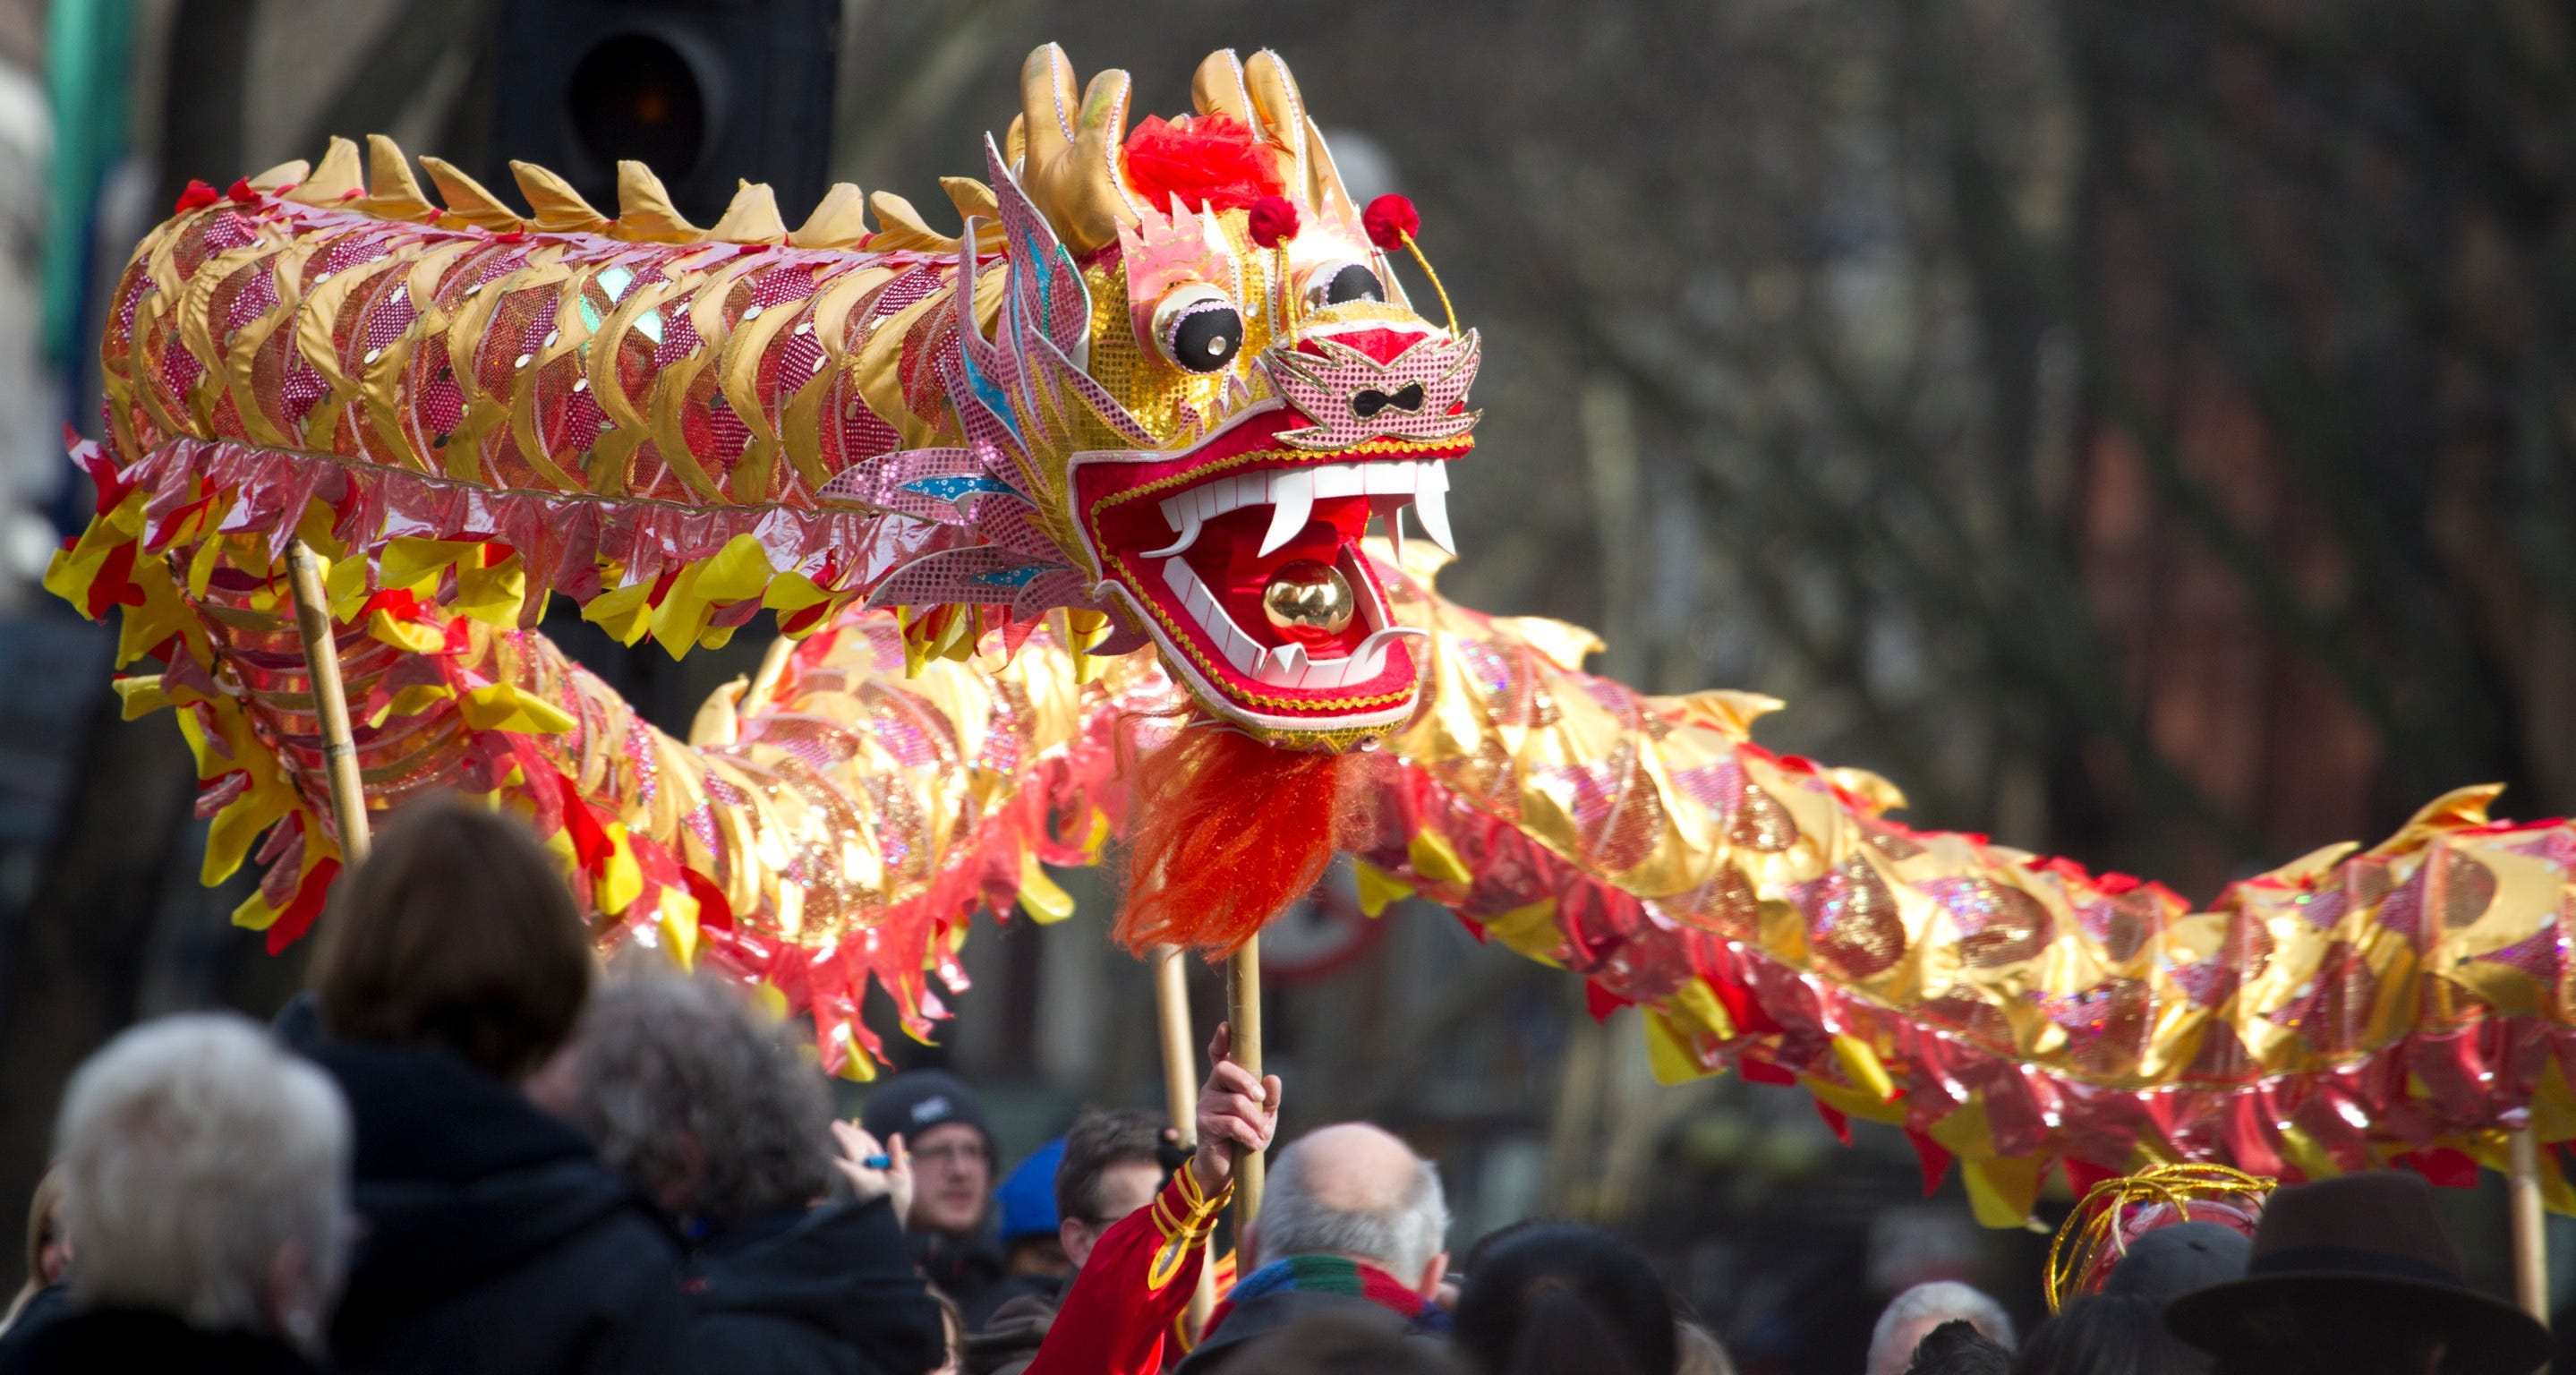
[[1259, 1317], [963, 1268], [492, 1241], [827, 1292], [120, 1339]]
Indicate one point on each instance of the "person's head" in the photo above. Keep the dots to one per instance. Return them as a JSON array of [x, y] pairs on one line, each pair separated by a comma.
[[2173, 1260], [1561, 1296], [1698, 1351], [1356, 1191], [700, 1102], [1912, 1314], [455, 933], [2108, 1334], [1031, 1229], [205, 1172], [1956, 1347], [1113, 1165], [941, 1122], [2355, 1276], [1341, 1344]]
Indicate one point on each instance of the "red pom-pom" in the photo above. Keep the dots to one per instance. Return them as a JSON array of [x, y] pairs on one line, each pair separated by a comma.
[[1390, 220], [197, 197], [242, 193], [1206, 163], [1274, 221]]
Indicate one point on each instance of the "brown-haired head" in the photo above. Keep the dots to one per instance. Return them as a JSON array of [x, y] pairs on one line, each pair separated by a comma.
[[456, 933]]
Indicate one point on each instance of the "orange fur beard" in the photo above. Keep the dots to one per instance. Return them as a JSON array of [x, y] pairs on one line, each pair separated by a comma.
[[1225, 832]]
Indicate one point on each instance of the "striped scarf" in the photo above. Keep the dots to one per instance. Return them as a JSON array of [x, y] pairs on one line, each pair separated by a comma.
[[1333, 1275]]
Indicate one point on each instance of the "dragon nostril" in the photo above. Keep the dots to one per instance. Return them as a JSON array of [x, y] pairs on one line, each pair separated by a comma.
[[1409, 398], [1368, 403]]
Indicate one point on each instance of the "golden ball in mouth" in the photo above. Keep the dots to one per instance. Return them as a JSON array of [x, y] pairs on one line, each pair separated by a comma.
[[1307, 595]]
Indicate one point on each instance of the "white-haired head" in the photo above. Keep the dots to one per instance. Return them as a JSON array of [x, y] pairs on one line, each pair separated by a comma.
[[1926, 1306], [1357, 1192], [205, 1175]]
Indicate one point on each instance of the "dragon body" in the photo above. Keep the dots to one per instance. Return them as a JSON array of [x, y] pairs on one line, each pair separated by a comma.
[[1024, 500]]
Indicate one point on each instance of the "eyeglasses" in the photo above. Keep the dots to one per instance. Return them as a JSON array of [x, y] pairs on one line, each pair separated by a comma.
[[961, 1153]]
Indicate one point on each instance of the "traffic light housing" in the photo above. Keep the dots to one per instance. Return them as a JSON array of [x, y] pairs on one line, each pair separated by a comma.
[[708, 93]]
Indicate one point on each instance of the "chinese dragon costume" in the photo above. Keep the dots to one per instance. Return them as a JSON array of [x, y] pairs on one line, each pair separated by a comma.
[[1067, 520]]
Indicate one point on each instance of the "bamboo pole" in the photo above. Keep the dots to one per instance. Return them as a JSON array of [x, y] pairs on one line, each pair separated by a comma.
[[330, 701], [2530, 1232], [1243, 1009], [1181, 1093]]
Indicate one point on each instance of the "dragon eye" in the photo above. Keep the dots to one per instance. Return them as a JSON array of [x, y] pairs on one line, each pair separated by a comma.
[[1335, 283], [1198, 328]]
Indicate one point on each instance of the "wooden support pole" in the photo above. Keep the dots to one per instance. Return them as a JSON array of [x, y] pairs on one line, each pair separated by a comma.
[[1243, 1010], [1181, 1090], [2530, 1229], [330, 701]]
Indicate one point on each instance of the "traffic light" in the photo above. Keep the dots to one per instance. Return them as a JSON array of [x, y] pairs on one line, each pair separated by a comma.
[[708, 93]]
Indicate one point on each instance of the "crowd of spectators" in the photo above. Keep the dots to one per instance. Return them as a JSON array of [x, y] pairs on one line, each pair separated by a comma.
[[464, 1150]]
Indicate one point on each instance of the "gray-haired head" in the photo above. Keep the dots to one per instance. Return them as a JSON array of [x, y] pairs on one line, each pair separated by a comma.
[[1355, 1191], [1926, 1306], [205, 1175], [696, 1099]]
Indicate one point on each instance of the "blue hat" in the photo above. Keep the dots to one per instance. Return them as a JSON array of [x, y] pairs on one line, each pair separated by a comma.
[[1028, 1196]]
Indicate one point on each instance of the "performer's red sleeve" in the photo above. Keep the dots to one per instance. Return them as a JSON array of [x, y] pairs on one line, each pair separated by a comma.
[[1136, 1284]]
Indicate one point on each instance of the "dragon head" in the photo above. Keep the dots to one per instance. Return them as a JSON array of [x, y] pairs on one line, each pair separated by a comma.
[[1189, 385]]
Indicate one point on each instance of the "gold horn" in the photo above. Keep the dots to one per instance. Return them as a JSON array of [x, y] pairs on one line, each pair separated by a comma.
[[392, 192], [751, 218], [644, 210], [466, 199], [1070, 168], [840, 221], [557, 206], [1283, 116], [1216, 88], [332, 182]]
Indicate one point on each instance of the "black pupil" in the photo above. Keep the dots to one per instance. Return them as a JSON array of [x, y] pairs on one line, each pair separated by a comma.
[[1206, 339], [1353, 283]]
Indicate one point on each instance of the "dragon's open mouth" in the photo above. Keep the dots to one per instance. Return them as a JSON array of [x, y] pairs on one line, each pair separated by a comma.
[[1245, 554]]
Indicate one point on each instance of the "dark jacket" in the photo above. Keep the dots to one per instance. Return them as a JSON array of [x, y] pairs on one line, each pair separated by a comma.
[[120, 1339], [1046, 1288], [50, 1305], [826, 1292], [491, 1239], [1262, 1316], [963, 1268]]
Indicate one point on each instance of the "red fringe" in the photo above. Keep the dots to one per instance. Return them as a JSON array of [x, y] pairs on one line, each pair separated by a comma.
[[1224, 833], [1208, 161]]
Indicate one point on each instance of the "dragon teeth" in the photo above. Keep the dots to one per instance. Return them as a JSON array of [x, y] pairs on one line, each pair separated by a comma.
[[1293, 492], [1289, 665], [1431, 507], [1292, 504]]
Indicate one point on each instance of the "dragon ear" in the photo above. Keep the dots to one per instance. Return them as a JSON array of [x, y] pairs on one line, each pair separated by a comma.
[[1070, 154], [1283, 117]]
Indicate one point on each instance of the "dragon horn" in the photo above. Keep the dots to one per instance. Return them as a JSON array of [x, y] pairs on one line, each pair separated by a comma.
[[1070, 169], [1217, 89], [1283, 116]]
